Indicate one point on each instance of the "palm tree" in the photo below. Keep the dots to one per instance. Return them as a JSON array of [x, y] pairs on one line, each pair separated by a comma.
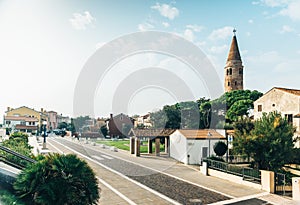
[[58, 179]]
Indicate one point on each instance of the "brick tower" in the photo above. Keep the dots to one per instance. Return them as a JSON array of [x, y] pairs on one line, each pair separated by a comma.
[[234, 68]]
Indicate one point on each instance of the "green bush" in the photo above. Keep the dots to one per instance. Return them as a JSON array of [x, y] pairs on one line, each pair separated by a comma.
[[17, 142], [7, 198], [58, 179], [220, 148]]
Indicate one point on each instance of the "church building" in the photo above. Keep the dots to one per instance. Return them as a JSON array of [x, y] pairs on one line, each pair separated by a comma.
[[234, 68]]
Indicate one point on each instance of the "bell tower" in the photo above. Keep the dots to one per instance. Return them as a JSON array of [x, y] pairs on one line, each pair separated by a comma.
[[234, 68]]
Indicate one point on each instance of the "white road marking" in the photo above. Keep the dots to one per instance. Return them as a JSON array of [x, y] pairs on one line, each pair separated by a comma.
[[97, 157], [240, 199], [116, 191], [55, 147], [107, 157], [170, 175], [101, 180], [122, 175]]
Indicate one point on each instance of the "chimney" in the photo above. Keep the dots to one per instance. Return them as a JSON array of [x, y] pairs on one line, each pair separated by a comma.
[[8, 109], [42, 109], [111, 116]]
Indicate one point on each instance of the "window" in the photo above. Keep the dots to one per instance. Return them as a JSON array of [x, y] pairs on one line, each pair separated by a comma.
[[241, 82], [228, 83], [23, 123], [29, 123], [273, 105], [289, 118], [8, 122], [230, 71], [241, 71], [259, 108], [235, 83], [227, 72], [33, 123]]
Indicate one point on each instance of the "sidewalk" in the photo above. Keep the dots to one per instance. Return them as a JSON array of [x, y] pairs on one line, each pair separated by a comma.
[[37, 143], [240, 194]]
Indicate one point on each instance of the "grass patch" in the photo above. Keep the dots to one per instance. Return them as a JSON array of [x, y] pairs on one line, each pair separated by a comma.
[[124, 145]]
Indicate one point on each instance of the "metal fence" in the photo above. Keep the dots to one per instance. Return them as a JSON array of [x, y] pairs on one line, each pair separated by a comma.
[[247, 173], [14, 159], [237, 159], [283, 185]]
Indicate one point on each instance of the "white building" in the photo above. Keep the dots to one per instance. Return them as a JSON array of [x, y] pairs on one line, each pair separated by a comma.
[[21, 123], [191, 146], [283, 100]]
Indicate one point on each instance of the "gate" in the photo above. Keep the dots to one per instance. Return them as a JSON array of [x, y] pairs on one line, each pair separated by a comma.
[[283, 185]]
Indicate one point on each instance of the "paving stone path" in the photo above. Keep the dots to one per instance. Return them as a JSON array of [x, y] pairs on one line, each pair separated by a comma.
[[178, 190]]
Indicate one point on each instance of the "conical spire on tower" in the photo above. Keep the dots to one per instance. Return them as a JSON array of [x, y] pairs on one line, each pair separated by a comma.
[[234, 68], [234, 53]]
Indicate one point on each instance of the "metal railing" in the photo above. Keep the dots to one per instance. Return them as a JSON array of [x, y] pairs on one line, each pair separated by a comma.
[[246, 173], [283, 185], [20, 163]]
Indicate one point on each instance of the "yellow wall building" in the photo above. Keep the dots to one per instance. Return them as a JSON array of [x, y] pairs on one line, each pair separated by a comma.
[[28, 112]]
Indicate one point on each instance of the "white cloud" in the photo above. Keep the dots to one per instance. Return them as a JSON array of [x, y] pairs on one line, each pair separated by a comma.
[[270, 57], [289, 8], [165, 24], [248, 33], [219, 49], [195, 27], [189, 35], [166, 10], [274, 3], [145, 26], [287, 66], [221, 33], [286, 29], [292, 10], [250, 21], [255, 2], [81, 21]]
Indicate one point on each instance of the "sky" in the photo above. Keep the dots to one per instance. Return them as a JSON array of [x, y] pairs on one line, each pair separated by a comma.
[[44, 46]]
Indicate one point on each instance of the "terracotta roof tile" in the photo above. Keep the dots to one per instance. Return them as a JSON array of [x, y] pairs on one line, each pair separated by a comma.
[[201, 134], [151, 132], [21, 118], [292, 91]]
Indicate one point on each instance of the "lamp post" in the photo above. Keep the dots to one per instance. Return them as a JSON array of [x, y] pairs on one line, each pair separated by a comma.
[[44, 124], [209, 136]]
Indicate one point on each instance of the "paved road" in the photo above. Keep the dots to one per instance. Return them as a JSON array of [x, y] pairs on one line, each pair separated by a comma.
[[164, 187], [122, 178]]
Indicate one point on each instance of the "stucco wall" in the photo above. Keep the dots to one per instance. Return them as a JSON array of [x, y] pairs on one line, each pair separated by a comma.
[[181, 147], [194, 149], [281, 101], [178, 147]]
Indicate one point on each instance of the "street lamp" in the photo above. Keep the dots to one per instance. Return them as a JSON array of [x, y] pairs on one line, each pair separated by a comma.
[[209, 136], [44, 124]]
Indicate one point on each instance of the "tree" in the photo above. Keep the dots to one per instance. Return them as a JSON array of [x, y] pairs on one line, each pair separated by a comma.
[[58, 179], [62, 125], [173, 115], [269, 142], [158, 119], [80, 122], [220, 148], [236, 104], [104, 130]]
